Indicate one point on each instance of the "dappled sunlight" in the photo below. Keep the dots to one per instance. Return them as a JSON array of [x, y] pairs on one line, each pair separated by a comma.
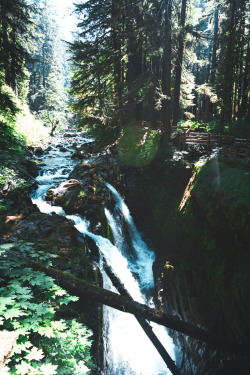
[[187, 192], [31, 128], [138, 144]]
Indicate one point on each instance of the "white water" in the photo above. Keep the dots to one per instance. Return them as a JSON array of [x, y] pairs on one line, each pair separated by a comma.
[[128, 351]]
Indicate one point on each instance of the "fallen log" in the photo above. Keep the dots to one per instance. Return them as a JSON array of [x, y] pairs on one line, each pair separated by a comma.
[[143, 323], [83, 289]]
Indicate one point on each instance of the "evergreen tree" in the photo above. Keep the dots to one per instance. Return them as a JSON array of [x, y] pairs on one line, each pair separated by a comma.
[[53, 114], [15, 30], [161, 62], [47, 93]]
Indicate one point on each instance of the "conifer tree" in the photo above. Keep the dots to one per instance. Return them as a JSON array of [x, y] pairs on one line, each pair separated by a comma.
[[15, 30], [47, 93]]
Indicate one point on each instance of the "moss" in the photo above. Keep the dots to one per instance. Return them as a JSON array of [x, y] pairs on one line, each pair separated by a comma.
[[212, 218], [206, 243]]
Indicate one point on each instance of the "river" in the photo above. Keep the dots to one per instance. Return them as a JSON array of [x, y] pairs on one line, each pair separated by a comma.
[[127, 350]]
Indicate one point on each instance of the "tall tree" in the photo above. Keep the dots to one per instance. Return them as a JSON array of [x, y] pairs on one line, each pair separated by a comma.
[[16, 23], [226, 110], [166, 73], [47, 95], [178, 65]]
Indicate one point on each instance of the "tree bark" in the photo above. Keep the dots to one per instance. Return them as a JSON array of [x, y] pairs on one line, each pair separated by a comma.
[[14, 59], [134, 52], [116, 33], [5, 43], [215, 39], [211, 106], [178, 67], [166, 75], [245, 88], [226, 110], [83, 289]]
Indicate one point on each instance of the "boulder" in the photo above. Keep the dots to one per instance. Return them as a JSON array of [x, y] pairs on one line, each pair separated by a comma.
[[69, 135], [39, 151], [69, 195], [63, 149], [80, 155], [44, 230], [28, 167], [85, 196]]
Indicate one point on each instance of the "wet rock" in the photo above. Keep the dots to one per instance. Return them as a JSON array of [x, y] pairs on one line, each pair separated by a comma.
[[19, 205], [39, 151], [78, 147], [29, 154], [63, 149], [80, 155], [84, 172], [30, 148], [85, 196], [44, 230], [70, 135], [67, 194], [28, 167]]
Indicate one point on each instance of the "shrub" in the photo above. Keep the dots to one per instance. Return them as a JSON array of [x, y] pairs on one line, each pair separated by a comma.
[[29, 301]]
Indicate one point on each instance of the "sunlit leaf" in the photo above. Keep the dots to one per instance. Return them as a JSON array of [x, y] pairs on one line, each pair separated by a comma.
[[35, 354], [14, 313], [48, 369]]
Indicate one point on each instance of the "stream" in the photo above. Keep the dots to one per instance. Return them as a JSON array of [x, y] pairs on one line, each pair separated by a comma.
[[127, 350]]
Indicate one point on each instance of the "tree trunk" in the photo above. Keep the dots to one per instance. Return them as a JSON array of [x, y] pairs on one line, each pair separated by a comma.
[[5, 41], [134, 52], [14, 60], [166, 75], [211, 106], [241, 61], [83, 289], [215, 39], [226, 109], [245, 88], [178, 67], [116, 33]]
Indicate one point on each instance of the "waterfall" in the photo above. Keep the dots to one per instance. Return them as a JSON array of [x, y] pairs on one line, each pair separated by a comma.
[[128, 351]]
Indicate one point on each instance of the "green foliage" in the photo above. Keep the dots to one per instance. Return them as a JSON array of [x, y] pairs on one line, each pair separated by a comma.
[[53, 113], [15, 35], [239, 128], [10, 106], [49, 70], [226, 180], [29, 301], [7, 174]]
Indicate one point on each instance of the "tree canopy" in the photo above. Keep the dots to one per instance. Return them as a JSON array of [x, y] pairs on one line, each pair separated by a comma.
[[161, 61]]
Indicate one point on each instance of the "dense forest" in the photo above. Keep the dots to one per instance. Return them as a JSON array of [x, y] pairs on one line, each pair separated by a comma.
[[151, 97], [162, 62]]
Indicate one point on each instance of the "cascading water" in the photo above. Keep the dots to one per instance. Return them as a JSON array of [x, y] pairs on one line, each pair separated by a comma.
[[128, 351]]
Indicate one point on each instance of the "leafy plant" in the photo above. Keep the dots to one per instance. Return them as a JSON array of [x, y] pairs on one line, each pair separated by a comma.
[[8, 174], [29, 301]]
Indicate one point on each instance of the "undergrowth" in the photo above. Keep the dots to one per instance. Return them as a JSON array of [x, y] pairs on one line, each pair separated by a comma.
[[238, 128], [29, 302]]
